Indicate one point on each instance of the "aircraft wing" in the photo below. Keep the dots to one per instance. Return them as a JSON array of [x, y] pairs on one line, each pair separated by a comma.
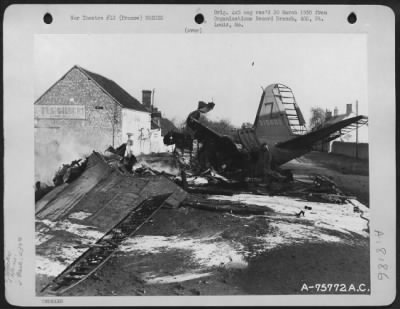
[[324, 134], [203, 133]]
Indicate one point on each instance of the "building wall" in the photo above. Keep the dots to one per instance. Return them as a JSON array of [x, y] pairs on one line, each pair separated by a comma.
[[139, 124], [75, 134], [157, 142], [362, 135], [349, 149]]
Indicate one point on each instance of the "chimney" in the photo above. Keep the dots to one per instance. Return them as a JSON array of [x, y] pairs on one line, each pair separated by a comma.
[[335, 111], [146, 98], [328, 114], [349, 108]]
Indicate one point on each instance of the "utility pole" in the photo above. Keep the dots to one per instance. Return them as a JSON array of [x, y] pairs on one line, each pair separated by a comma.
[[356, 130], [152, 100]]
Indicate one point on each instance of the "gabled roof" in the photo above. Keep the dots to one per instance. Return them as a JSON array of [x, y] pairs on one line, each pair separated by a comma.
[[110, 87], [167, 125], [115, 91]]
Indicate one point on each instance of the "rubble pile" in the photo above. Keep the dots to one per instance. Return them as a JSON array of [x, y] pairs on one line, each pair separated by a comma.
[[316, 188], [69, 172], [116, 193], [100, 191]]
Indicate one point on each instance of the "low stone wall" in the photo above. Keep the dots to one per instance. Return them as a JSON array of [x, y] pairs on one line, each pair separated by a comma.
[[349, 149]]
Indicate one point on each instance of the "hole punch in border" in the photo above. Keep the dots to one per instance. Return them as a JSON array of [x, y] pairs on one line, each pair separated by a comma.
[[352, 18], [199, 18], [48, 18]]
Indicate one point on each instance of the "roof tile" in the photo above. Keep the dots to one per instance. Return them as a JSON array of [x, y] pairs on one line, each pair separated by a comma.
[[114, 90]]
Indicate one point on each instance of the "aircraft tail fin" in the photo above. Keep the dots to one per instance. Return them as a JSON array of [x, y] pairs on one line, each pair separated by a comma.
[[278, 117]]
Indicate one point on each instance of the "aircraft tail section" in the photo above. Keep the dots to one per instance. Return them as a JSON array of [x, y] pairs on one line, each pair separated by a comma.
[[278, 116], [324, 134]]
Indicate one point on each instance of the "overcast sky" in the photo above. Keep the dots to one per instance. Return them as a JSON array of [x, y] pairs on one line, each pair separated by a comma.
[[324, 70]]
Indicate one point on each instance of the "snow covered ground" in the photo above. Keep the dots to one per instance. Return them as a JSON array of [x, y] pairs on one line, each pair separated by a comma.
[[336, 217], [206, 252], [324, 222], [62, 253]]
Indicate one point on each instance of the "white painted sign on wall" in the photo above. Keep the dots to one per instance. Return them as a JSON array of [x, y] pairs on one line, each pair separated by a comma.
[[60, 111]]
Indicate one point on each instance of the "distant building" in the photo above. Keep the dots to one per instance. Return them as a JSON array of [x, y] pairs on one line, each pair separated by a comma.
[[159, 125], [351, 136], [345, 144]]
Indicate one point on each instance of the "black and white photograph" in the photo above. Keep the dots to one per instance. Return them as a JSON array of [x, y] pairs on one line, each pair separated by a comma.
[[174, 165], [203, 164]]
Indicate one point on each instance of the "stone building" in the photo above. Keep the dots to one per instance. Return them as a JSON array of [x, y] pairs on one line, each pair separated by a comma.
[[347, 143], [84, 111]]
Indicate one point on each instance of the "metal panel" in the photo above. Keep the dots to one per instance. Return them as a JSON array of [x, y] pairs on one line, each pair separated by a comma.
[[69, 197], [96, 256]]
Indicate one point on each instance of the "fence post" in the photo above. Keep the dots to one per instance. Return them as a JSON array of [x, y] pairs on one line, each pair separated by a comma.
[[356, 130]]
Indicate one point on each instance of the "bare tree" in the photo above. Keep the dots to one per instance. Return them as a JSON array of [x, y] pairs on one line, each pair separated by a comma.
[[222, 126], [112, 115], [246, 125], [317, 117]]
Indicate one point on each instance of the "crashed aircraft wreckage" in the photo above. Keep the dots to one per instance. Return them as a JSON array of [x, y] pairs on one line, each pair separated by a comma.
[[278, 135], [107, 194], [115, 204]]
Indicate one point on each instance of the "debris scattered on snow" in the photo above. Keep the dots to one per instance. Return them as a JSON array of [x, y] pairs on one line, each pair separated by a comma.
[[151, 278], [85, 232], [335, 217], [207, 252], [55, 263], [49, 267], [80, 215]]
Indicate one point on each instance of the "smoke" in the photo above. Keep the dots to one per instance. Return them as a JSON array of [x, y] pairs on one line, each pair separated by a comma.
[[162, 166], [50, 156]]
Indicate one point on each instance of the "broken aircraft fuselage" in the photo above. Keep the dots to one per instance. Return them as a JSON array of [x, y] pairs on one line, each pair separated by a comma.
[[278, 135]]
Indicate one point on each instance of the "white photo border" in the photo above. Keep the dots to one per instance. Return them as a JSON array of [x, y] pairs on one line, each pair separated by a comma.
[[22, 22]]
